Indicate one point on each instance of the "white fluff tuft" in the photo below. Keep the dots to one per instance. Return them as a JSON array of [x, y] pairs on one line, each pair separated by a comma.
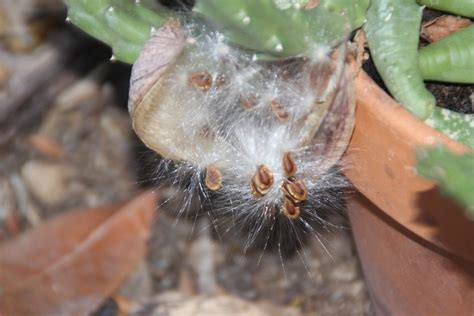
[[232, 126]]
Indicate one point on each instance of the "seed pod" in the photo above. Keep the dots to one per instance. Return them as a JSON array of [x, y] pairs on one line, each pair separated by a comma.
[[172, 115]]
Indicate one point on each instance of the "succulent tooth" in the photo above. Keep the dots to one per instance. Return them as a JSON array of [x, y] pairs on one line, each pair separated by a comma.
[[261, 181], [290, 209], [201, 80], [213, 178], [295, 190], [280, 112], [289, 165]]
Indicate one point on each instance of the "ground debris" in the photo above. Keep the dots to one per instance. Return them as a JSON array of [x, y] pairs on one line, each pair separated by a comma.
[[67, 265], [440, 27]]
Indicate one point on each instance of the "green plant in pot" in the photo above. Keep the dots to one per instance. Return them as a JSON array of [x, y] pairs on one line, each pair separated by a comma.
[[254, 100]]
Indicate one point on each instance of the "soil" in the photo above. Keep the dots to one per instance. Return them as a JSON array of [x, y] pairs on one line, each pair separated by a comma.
[[68, 132]]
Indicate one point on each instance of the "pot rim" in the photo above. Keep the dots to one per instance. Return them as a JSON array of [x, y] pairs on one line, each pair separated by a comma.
[[386, 174]]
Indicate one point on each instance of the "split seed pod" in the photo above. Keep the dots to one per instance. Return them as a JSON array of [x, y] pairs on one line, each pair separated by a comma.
[[186, 103]]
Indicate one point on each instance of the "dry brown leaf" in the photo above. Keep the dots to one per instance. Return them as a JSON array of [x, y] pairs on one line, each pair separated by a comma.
[[69, 264], [5, 74], [442, 26], [46, 146]]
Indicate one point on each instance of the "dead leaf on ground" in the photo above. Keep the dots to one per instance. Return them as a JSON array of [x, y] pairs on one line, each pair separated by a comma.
[[69, 264], [46, 146], [442, 26]]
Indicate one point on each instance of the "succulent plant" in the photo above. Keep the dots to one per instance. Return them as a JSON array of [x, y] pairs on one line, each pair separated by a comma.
[[123, 25], [453, 172], [392, 34], [269, 26]]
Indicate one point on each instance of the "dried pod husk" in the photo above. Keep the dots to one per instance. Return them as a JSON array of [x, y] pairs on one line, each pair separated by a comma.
[[146, 84], [335, 130], [260, 165], [158, 107], [169, 114], [329, 126]]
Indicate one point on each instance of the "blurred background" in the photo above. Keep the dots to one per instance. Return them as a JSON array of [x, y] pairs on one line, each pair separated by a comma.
[[74, 219]]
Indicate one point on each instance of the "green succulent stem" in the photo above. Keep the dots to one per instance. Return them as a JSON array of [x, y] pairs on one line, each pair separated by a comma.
[[392, 31], [450, 59], [283, 28], [454, 173], [458, 7], [457, 126], [123, 25]]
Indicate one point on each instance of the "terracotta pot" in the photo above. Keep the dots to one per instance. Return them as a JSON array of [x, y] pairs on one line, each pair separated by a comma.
[[416, 246]]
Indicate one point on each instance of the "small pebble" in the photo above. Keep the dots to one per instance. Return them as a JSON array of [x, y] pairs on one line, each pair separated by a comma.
[[47, 181]]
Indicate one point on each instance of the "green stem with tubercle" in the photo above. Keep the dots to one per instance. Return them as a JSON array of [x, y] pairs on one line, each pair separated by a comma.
[[457, 126], [392, 30], [454, 173], [123, 25], [450, 59], [458, 7], [269, 26]]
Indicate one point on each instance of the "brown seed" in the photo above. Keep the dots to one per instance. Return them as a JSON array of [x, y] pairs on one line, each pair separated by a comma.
[[295, 190], [248, 103], [200, 80], [261, 181], [279, 111], [221, 80], [289, 165], [5, 74], [263, 177], [206, 132], [290, 209], [213, 179], [253, 189]]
